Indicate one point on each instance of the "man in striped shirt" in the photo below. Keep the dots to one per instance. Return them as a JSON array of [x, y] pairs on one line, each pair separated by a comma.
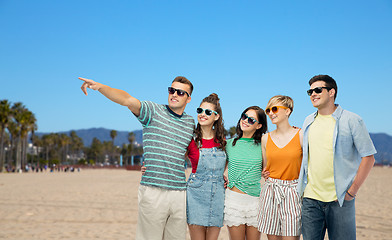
[[167, 132]]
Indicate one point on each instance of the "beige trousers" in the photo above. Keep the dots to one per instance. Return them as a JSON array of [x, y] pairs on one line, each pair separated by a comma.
[[162, 214]]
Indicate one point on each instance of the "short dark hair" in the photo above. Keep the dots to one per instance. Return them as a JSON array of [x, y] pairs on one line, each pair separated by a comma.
[[184, 80], [329, 82]]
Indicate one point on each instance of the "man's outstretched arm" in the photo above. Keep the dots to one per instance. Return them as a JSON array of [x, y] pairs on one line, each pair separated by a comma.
[[116, 95]]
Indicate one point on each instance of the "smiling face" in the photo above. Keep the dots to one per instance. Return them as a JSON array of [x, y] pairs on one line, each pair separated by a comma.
[[324, 99], [281, 114], [178, 103], [248, 128], [203, 118]]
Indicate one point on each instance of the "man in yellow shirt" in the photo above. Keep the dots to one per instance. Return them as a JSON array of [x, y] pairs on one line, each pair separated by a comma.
[[338, 155]]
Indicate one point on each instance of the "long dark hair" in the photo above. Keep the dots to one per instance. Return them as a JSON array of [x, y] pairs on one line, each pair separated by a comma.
[[261, 117], [218, 125]]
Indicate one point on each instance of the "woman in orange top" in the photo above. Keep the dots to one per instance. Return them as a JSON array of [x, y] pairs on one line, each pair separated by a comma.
[[280, 205]]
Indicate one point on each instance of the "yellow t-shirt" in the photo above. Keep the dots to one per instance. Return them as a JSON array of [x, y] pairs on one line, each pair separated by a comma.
[[321, 183]]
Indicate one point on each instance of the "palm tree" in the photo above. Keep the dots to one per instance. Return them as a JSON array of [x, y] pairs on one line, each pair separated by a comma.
[[76, 145], [5, 116], [37, 142], [32, 127], [64, 141], [48, 141], [131, 146], [95, 150], [113, 135], [131, 138], [13, 131], [18, 115], [7, 143], [124, 153], [28, 124]]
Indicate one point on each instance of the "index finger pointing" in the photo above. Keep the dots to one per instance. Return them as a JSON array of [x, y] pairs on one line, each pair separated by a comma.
[[85, 79]]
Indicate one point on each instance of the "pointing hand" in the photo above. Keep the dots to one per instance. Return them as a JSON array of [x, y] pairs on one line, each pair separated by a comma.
[[88, 83]]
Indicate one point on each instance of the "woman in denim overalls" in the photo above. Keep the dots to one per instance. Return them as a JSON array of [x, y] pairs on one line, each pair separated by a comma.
[[205, 188]]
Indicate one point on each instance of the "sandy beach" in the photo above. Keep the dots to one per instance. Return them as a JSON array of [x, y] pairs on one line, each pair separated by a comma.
[[102, 204]]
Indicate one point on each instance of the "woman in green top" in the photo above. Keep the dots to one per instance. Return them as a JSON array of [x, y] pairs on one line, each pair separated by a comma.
[[245, 166]]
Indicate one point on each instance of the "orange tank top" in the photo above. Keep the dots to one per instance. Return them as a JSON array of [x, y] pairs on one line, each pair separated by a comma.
[[284, 163]]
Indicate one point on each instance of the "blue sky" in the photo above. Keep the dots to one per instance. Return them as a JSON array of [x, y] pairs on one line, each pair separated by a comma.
[[245, 51]]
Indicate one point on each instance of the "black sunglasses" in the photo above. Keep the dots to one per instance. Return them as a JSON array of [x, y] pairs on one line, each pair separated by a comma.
[[208, 112], [317, 90], [251, 120], [180, 92]]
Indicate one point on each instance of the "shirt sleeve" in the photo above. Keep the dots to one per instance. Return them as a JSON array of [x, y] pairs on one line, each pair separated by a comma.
[[362, 140], [147, 111], [193, 155]]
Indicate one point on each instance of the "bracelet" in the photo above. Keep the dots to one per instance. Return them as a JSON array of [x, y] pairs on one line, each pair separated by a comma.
[[350, 194]]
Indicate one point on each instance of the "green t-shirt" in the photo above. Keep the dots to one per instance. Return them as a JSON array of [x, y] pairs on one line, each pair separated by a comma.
[[245, 163]]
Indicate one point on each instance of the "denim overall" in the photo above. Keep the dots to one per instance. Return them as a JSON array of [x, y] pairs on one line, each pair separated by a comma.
[[205, 189]]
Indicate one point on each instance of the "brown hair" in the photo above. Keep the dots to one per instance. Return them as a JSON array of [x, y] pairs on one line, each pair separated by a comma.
[[218, 125], [184, 80]]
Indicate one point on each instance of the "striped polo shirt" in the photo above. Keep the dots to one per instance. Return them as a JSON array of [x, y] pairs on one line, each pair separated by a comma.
[[166, 136], [244, 168]]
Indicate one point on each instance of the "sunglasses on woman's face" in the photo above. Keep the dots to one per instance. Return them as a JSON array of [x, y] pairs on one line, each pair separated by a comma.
[[274, 109], [317, 90], [251, 120], [180, 92], [208, 112]]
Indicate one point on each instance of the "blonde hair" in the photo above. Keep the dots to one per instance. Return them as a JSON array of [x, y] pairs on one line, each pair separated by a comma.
[[286, 101]]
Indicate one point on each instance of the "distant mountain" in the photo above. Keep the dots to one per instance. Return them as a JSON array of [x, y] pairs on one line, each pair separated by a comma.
[[382, 141], [103, 134]]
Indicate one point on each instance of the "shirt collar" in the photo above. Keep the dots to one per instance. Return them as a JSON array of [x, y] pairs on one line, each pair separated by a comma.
[[171, 111], [336, 114]]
